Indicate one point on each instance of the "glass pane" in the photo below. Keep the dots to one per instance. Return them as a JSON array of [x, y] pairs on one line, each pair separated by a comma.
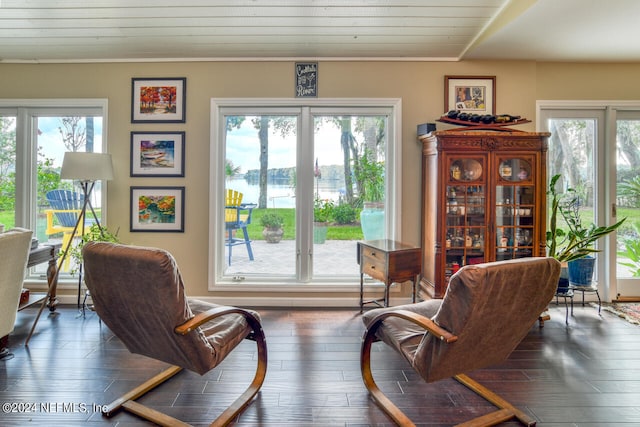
[[571, 149], [628, 198], [261, 165], [55, 136], [466, 228], [7, 171], [349, 189]]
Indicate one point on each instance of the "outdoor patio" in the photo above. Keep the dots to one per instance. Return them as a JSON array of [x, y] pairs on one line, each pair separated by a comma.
[[337, 257]]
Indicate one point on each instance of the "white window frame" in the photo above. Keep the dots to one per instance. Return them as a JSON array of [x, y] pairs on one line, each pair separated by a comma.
[[393, 159], [26, 152]]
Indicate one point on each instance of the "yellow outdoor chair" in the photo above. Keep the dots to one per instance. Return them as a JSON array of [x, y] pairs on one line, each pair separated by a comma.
[[237, 216], [66, 206]]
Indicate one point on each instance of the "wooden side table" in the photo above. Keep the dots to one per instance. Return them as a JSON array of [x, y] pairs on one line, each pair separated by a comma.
[[389, 262], [44, 253]]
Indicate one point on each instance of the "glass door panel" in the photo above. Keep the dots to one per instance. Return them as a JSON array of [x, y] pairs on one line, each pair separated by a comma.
[[571, 154], [350, 185], [7, 171], [466, 232], [260, 164], [55, 136], [628, 203]]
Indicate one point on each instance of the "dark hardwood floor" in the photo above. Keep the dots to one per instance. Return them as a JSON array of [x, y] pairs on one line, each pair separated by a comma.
[[583, 374]]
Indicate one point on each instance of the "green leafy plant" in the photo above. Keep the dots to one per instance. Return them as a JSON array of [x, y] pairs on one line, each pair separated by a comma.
[[577, 240], [272, 220], [93, 235], [370, 175], [323, 210], [632, 251], [344, 213]]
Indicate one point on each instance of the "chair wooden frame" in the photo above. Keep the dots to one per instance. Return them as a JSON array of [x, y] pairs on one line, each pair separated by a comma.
[[505, 412], [128, 400]]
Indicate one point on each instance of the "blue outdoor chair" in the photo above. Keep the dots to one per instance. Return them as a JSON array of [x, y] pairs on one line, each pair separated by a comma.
[[237, 216]]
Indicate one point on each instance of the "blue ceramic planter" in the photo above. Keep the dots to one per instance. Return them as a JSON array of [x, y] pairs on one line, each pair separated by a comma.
[[581, 271]]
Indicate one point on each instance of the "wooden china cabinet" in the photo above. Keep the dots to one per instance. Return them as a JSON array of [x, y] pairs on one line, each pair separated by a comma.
[[484, 199]]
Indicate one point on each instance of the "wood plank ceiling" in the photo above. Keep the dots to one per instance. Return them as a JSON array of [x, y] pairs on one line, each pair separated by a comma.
[[103, 30]]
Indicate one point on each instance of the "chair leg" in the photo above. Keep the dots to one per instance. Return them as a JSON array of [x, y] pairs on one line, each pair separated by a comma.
[[505, 413], [128, 403], [261, 371], [378, 396], [139, 391], [506, 408], [229, 243], [247, 242]]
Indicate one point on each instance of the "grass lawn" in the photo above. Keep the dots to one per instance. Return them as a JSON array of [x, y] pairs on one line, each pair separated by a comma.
[[336, 231]]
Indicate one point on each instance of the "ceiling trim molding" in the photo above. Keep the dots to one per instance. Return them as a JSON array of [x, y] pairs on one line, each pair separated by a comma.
[[231, 59]]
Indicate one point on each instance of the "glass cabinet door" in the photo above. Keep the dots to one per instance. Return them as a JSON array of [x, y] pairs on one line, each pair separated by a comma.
[[515, 208], [466, 225]]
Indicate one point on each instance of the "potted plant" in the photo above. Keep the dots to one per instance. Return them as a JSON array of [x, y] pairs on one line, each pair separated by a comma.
[[96, 233], [322, 215], [272, 223], [370, 176], [575, 244]]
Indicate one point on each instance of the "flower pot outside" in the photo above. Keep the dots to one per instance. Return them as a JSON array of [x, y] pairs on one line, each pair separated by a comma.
[[272, 235], [372, 221], [320, 232], [581, 271]]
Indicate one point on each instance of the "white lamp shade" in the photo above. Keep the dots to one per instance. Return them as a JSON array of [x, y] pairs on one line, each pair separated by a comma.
[[85, 166]]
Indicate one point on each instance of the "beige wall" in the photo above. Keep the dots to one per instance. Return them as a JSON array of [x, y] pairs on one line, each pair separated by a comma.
[[420, 85]]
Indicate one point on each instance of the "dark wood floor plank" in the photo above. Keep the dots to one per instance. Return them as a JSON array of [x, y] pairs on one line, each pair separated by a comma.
[[585, 374]]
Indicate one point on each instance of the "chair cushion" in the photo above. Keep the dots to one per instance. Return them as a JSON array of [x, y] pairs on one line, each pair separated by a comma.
[[401, 334]]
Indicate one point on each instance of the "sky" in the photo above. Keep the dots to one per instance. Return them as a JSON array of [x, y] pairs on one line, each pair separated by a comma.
[[242, 147], [51, 141]]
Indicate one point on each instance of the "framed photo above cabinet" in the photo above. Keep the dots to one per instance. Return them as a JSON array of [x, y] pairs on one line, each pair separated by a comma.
[[484, 199]]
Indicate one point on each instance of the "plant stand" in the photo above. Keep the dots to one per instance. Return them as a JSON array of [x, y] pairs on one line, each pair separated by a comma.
[[568, 293], [583, 289]]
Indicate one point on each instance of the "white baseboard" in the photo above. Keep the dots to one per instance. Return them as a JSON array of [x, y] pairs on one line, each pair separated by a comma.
[[266, 302]]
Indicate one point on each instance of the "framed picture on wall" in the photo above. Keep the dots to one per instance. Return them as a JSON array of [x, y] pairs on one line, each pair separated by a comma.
[[157, 209], [157, 154], [471, 94], [158, 100], [306, 79]]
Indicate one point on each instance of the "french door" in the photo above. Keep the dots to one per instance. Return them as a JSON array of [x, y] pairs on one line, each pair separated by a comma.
[[627, 191], [292, 160], [596, 149]]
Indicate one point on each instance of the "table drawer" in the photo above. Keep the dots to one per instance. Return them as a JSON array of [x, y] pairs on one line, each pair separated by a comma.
[[374, 254], [375, 268]]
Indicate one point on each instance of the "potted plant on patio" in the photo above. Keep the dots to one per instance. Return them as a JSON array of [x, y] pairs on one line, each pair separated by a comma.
[[272, 223], [573, 246], [322, 215]]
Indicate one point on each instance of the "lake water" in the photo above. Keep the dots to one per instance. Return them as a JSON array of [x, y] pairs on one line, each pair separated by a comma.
[[280, 196]]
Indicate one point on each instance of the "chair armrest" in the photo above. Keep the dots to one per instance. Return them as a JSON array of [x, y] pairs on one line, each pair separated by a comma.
[[211, 314], [424, 322]]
